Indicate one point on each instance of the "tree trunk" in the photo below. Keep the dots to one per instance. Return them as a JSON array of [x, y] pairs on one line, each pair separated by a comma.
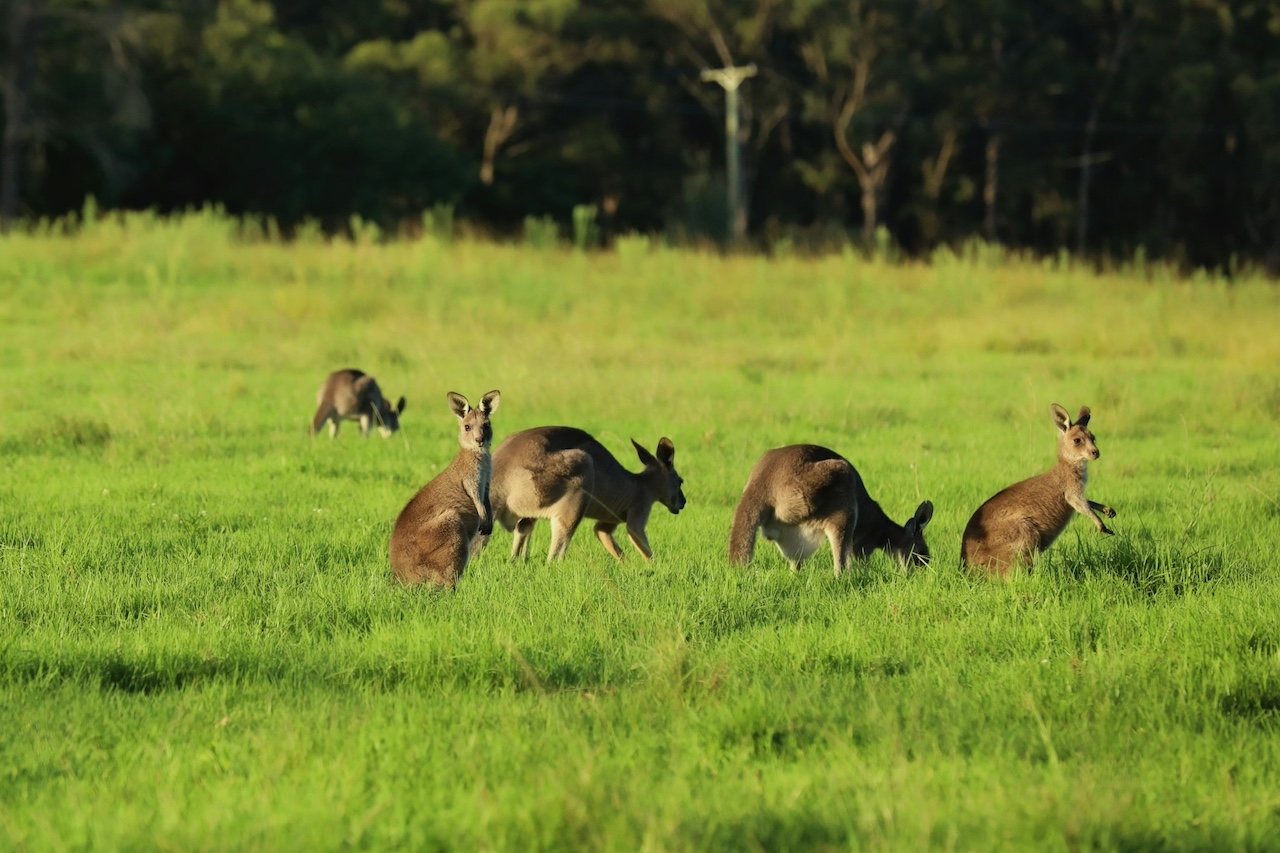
[[872, 173], [869, 212], [990, 185], [502, 123], [872, 168], [1087, 157], [934, 171], [25, 17]]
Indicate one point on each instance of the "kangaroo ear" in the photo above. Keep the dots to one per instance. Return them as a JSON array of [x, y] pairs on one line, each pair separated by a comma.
[[646, 458], [1082, 419], [459, 404], [924, 514], [1060, 418], [666, 451], [489, 402], [400, 406]]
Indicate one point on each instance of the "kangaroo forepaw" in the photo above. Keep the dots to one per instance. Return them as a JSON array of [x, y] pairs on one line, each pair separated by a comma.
[[1106, 531], [486, 528], [1108, 512]]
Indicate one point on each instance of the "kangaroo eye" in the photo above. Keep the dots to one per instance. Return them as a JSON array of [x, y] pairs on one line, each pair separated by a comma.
[[467, 427], [1077, 441]]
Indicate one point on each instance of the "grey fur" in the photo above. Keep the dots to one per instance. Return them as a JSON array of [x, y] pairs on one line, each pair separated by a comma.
[[436, 533], [1018, 522], [799, 495], [352, 395], [565, 475]]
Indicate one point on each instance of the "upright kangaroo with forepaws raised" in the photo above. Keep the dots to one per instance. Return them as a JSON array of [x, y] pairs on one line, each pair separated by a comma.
[[1021, 521], [435, 532], [800, 495], [352, 395], [564, 474]]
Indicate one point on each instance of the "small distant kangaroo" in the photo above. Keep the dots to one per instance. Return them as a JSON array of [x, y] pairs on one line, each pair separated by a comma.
[[435, 532], [799, 495], [564, 474], [352, 395], [1021, 521]]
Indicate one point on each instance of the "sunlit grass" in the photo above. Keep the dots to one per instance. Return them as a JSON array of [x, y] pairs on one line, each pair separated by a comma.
[[201, 644]]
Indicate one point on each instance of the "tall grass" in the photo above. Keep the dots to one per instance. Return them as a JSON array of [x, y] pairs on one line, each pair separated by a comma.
[[201, 645]]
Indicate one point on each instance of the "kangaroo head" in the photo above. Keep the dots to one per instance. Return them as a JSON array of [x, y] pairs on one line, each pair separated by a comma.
[[660, 471], [912, 550], [1075, 443], [474, 430], [388, 416]]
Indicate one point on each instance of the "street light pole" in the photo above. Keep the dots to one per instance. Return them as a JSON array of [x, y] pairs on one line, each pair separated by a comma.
[[730, 79]]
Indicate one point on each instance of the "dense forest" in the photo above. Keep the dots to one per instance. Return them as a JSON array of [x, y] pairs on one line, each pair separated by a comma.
[[1101, 127]]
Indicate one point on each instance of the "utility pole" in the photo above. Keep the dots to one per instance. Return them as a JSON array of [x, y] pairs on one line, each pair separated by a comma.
[[730, 79]]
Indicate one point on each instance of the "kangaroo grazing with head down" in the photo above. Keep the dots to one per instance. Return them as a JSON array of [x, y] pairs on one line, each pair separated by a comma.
[[435, 532], [1021, 521], [352, 395], [797, 496], [565, 475]]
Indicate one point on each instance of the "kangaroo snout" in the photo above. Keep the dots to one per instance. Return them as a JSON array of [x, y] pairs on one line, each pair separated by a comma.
[[677, 503]]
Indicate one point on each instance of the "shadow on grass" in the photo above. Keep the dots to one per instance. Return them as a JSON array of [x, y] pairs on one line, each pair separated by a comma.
[[61, 434], [1254, 700], [115, 673], [771, 830], [844, 663], [1152, 567], [490, 669], [1166, 840]]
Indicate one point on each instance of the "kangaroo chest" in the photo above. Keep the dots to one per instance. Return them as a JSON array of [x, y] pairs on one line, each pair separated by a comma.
[[484, 474]]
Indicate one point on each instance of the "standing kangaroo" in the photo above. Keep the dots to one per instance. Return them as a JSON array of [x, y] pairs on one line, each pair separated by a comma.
[[564, 474], [434, 533], [352, 395], [1021, 521], [799, 495]]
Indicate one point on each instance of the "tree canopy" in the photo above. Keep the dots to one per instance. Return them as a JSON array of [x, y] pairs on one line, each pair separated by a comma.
[[1104, 127]]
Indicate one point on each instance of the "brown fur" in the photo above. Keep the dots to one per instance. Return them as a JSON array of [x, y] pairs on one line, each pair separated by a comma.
[[801, 494], [351, 395], [436, 532], [565, 475], [1021, 521]]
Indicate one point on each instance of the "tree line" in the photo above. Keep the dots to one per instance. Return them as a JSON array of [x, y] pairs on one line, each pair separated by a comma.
[[1100, 127]]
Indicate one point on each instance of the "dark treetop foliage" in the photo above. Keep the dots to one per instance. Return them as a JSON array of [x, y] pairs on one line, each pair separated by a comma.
[[1099, 126]]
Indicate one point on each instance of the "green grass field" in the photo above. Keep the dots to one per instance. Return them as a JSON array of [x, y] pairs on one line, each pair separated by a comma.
[[202, 647]]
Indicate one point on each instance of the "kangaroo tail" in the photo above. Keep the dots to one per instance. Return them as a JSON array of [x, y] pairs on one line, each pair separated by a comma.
[[317, 422], [746, 519]]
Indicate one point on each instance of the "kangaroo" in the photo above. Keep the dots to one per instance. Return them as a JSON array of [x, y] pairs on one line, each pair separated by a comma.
[[799, 495], [1021, 521], [435, 532], [352, 395], [564, 474]]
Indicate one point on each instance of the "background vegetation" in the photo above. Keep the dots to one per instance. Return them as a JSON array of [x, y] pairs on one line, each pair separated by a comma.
[[201, 645], [1107, 127]]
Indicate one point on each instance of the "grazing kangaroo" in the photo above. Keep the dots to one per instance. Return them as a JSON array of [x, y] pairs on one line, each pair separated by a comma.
[[352, 395], [1021, 521], [799, 495], [564, 474], [435, 532]]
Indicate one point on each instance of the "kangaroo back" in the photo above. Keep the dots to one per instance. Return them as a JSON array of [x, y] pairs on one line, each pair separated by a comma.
[[434, 534], [1023, 519], [355, 396], [801, 495], [563, 474]]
